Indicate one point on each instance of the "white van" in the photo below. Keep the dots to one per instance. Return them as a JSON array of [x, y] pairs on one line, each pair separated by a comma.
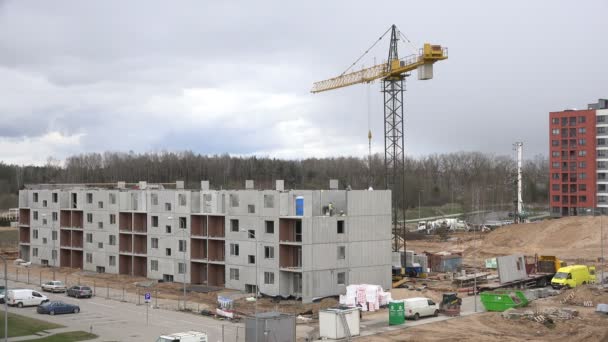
[[420, 307], [25, 297]]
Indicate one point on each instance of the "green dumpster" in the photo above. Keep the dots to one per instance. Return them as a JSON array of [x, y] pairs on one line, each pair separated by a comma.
[[396, 313], [503, 299]]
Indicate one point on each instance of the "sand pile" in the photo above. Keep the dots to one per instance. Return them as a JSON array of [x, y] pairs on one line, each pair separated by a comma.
[[582, 295], [569, 238]]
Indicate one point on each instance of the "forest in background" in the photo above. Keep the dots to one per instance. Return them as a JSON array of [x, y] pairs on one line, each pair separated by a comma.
[[463, 177]]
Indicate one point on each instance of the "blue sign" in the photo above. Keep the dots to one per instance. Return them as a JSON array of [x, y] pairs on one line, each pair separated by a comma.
[[147, 297]]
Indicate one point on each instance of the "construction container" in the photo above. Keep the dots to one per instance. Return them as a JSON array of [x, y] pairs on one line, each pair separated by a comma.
[[444, 262], [331, 323], [396, 312], [280, 326], [503, 300]]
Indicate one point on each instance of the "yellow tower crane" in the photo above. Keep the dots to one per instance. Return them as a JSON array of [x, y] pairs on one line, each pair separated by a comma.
[[392, 74]]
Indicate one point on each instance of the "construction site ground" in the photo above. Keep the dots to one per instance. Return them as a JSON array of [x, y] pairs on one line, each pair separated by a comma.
[[491, 326], [575, 240]]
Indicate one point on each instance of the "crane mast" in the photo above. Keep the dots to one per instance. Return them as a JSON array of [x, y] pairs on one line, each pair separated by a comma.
[[392, 75], [394, 156]]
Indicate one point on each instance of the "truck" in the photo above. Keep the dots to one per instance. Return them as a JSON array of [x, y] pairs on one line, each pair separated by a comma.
[[188, 336], [517, 271], [573, 276]]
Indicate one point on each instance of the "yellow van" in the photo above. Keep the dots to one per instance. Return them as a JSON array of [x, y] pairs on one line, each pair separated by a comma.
[[572, 276]]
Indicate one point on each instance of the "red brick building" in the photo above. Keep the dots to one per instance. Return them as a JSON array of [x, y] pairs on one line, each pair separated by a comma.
[[578, 143]]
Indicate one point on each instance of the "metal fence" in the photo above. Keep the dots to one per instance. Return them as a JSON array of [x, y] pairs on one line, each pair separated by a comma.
[[113, 290]]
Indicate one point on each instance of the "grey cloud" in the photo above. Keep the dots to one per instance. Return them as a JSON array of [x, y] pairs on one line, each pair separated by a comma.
[[99, 66]]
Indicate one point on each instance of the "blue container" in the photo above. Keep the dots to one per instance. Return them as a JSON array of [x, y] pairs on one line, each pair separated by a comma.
[[299, 206]]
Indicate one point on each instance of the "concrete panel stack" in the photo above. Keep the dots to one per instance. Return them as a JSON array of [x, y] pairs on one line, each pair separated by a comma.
[[511, 268], [422, 260], [407, 258]]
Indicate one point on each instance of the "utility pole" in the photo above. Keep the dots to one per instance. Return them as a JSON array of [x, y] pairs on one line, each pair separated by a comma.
[[419, 192], [185, 266], [5, 298], [519, 147], [602, 248], [256, 279]]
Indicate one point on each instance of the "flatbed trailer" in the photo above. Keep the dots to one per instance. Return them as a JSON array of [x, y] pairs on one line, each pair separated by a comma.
[[533, 280]]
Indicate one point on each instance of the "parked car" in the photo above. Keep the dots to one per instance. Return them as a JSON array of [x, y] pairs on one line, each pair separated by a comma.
[[420, 307], [79, 291], [2, 294], [54, 286], [57, 307], [25, 297]]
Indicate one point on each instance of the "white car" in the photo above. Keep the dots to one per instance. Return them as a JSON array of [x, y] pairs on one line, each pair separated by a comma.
[[54, 286], [188, 336], [25, 297], [420, 307]]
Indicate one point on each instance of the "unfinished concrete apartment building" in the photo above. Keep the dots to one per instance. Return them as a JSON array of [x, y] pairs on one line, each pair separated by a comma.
[[302, 243]]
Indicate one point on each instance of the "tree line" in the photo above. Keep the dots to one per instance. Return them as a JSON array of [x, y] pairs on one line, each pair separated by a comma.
[[462, 177]]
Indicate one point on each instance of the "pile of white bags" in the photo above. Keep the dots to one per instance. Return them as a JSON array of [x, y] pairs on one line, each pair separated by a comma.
[[367, 297]]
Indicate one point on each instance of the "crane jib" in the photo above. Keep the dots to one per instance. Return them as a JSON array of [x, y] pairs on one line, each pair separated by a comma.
[[398, 67]]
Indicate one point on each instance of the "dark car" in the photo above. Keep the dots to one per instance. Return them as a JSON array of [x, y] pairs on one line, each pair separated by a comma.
[[55, 307], [2, 294], [79, 291]]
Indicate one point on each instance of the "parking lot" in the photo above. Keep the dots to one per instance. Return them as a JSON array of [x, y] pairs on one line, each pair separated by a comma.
[[119, 321]]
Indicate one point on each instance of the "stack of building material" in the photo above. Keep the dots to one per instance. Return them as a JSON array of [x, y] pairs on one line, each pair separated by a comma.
[[407, 258], [511, 268], [367, 297], [444, 261], [412, 259], [423, 260]]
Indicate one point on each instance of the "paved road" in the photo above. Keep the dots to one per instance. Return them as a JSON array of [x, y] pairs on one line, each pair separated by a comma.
[[117, 321]]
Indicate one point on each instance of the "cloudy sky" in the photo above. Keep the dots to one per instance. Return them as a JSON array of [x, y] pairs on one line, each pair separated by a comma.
[[234, 76]]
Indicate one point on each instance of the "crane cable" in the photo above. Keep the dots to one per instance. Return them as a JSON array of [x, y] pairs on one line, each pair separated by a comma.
[[366, 51], [414, 49]]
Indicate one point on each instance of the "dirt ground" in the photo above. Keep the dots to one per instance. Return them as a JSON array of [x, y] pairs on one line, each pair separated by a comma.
[[491, 326], [574, 239]]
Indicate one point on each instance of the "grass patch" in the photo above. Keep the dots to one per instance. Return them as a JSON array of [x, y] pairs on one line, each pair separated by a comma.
[[9, 235], [67, 337], [22, 326], [434, 211]]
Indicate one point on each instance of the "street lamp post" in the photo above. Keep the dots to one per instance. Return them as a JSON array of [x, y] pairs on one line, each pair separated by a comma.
[[602, 249], [5, 299], [184, 257], [419, 192], [185, 265], [53, 248], [255, 305]]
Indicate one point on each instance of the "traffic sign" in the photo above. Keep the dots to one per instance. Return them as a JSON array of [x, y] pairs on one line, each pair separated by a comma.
[[147, 297]]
